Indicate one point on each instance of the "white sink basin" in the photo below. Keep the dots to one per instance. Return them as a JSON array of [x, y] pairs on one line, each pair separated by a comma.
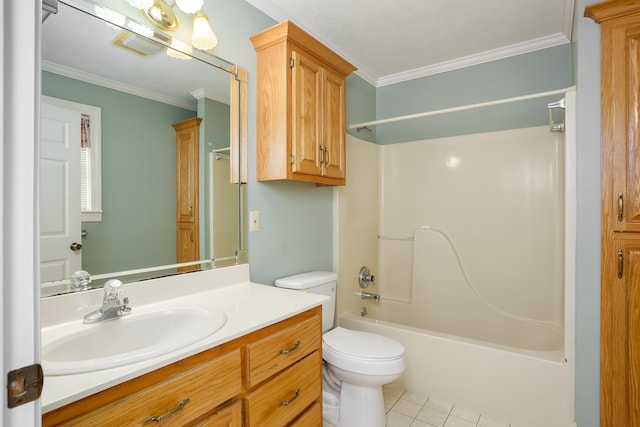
[[78, 348]]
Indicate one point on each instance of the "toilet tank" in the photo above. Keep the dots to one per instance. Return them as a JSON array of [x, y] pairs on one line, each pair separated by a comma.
[[315, 282]]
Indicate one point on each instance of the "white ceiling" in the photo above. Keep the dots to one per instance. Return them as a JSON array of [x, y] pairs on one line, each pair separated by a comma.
[[389, 42], [393, 41]]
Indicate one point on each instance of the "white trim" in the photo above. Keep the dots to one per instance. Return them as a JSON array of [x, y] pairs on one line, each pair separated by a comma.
[[95, 114], [203, 93], [19, 125], [475, 59], [62, 70], [570, 233], [567, 18]]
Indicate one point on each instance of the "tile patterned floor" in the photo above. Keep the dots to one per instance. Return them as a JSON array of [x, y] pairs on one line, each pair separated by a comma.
[[406, 409]]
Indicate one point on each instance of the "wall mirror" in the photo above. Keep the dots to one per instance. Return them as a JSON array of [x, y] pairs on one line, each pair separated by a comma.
[[123, 88]]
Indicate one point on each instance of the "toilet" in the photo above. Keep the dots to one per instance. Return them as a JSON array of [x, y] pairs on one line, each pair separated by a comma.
[[355, 364]]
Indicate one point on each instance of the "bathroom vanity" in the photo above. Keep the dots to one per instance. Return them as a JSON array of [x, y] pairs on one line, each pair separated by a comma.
[[263, 367]]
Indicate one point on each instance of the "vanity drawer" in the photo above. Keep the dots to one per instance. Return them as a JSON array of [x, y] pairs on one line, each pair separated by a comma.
[[272, 354], [283, 398], [205, 385], [311, 417], [230, 416]]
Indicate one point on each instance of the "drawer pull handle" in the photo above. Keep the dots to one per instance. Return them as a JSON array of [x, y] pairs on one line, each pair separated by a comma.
[[170, 413], [286, 402], [290, 349]]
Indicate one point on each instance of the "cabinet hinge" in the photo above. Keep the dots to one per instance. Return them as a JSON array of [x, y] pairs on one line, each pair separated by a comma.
[[24, 385], [242, 418], [292, 159], [292, 62]]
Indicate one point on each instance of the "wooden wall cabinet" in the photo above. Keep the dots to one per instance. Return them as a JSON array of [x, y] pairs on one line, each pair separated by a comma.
[[271, 377], [187, 206], [620, 168], [301, 127]]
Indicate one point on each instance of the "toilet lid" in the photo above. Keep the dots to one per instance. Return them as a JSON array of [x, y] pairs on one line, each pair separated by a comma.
[[362, 344]]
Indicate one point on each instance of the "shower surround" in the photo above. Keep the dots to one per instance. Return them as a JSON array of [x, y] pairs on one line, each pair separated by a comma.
[[487, 290]]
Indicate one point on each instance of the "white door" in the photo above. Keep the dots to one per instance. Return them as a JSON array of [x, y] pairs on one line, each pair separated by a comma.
[[60, 235]]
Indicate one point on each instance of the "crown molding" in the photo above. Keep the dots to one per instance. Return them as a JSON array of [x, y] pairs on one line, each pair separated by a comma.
[[115, 85], [476, 59], [204, 93], [270, 9]]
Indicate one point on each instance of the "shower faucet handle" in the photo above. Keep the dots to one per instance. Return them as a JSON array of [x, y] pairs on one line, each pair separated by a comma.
[[365, 278]]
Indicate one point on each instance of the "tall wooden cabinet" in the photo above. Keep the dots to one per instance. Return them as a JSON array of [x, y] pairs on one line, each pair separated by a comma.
[[187, 170], [620, 281], [301, 126]]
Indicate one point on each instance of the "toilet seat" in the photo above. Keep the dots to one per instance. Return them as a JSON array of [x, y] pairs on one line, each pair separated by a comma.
[[362, 352]]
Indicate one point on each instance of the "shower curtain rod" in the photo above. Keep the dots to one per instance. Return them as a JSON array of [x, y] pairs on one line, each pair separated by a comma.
[[461, 108]]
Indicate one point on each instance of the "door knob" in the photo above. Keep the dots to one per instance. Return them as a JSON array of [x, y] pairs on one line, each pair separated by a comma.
[[75, 246]]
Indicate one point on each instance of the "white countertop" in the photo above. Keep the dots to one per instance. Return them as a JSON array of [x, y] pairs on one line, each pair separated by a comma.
[[247, 306]]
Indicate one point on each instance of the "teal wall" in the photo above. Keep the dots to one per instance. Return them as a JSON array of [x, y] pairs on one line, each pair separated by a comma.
[[138, 154], [587, 78], [535, 72], [361, 107]]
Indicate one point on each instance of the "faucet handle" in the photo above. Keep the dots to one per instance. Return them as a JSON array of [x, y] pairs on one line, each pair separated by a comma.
[[365, 278], [112, 290]]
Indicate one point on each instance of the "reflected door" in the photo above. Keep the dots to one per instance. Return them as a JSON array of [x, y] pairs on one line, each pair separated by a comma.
[[60, 234]]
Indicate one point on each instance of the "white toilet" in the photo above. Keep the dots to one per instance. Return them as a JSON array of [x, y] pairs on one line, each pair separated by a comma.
[[356, 364]]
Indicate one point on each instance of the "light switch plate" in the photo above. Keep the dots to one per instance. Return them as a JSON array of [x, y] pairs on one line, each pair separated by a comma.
[[254, 221]]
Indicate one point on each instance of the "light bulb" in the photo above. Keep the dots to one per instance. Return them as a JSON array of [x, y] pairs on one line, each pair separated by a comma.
[[189, 6], [141, 4], [202, 37]]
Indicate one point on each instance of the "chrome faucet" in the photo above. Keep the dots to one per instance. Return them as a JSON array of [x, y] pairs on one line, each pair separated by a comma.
[[113, 304], [368, 295]]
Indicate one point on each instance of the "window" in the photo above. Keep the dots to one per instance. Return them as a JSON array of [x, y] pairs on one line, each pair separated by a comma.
[[90, 171]]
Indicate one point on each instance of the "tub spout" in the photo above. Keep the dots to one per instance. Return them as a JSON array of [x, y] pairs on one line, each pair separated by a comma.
[[368, 295]]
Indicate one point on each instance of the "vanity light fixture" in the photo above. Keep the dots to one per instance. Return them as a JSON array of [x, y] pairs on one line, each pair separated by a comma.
[[203, 37], [161, 14], [141, 4], [189, 6]]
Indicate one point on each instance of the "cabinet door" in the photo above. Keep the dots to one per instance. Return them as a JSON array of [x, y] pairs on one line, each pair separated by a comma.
[[621, 143], [334, 128], [177, 401], [621, 333], [230, 416], [310, 417], [286, 396], [306, 115], [187, 244], [187, 174]]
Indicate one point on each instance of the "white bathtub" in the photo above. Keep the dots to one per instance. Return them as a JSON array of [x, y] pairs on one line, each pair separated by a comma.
[[525, 387]]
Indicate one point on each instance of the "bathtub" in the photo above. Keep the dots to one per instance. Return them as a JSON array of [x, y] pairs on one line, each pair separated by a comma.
[[528, 388]]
